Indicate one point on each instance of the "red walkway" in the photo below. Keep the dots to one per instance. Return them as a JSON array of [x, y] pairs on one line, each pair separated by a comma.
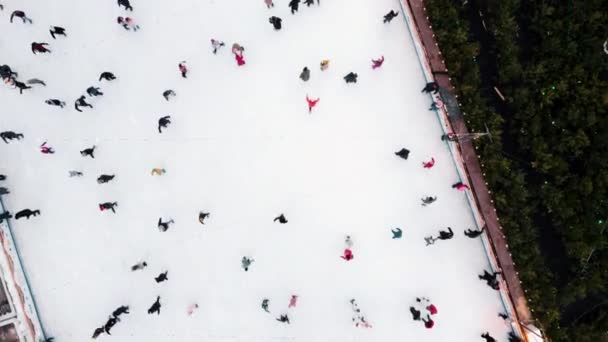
[[475, 174]]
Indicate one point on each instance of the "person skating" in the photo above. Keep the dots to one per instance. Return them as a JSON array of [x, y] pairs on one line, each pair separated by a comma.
[[183, 69], [90, 152], [191, 308], [163, 226], [4, 191], [437, 105], [309, 2], [376, 63], [2, 177], [351, 77], [81, 102], [108, 205], [5, 216], [276, 22], [305, 74], [486, 336], [513, 337], [269, 3], [460, 186], [45, 149], [293, 5], [216, 45], [474, 233], [128, 23], [429, 164], [104, 178], [237, 49], [347, 255], [283, 319], [20, 14], [74, 173], [390, 16], [311, 103], [139, 266], [110, 324], [293, 301], [157, 171], [167, 94], [40, 48], [491, 279], [155, 307], [162, 277], [121, 310], [281, 218], [403, 153], [428, 322], [348, 242], [324, 64], [246, 263], [428, 200], [26, 213], [57, 30], [10, 135], [431, 87], [430, 240], [397, 233], [36, 81], [163, 122], [446, 235], [98, 331], [6, 73], [126, 4], [202, 216], [432, 309], [240, 59], [106, 75], [94, 91], [265, 304], [415, 313], [21, 86]]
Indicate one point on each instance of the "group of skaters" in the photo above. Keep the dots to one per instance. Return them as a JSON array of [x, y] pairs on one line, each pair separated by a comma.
[[422, 310]]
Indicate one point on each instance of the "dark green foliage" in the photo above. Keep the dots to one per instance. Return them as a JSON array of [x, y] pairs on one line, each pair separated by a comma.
[[548, 164]]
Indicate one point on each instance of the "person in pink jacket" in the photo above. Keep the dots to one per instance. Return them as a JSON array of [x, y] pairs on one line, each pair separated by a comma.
[[311, 103], [460, 186], [293, 301], [192, 308], [269, 3], [376, 63], [348, 255]]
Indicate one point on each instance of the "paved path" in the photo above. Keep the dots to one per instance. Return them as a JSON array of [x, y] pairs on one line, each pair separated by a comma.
[[478, 184]]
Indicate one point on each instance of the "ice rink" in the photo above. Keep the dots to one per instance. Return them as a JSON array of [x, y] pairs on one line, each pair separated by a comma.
[[242, 146]]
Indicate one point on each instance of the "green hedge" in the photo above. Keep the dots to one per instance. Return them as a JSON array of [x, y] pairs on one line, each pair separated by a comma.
[[548, 161]]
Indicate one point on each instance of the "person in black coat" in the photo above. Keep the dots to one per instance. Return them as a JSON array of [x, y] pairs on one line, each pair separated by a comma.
[[351, 77], [276, 22], [126, 4], [106, 75], [57, 30], [163, 122], [81, 102], [155, 307], [390, 16], [294, 4]]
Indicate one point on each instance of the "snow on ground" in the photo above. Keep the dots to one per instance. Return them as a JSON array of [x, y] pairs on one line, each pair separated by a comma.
[[242, 146]]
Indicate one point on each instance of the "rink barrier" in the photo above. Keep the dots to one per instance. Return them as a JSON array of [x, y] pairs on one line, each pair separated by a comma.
[[29, 327], [459, 164]]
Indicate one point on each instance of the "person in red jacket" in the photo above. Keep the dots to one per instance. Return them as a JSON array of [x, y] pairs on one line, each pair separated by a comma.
[[432, 309], [376, 63], [460, 186], [39, 47], [240, 60], [428, 322], [430, 164], [348, 255], [311, 103]]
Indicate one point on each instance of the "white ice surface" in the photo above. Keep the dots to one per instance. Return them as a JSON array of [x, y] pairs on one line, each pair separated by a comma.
[[242, 146]]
